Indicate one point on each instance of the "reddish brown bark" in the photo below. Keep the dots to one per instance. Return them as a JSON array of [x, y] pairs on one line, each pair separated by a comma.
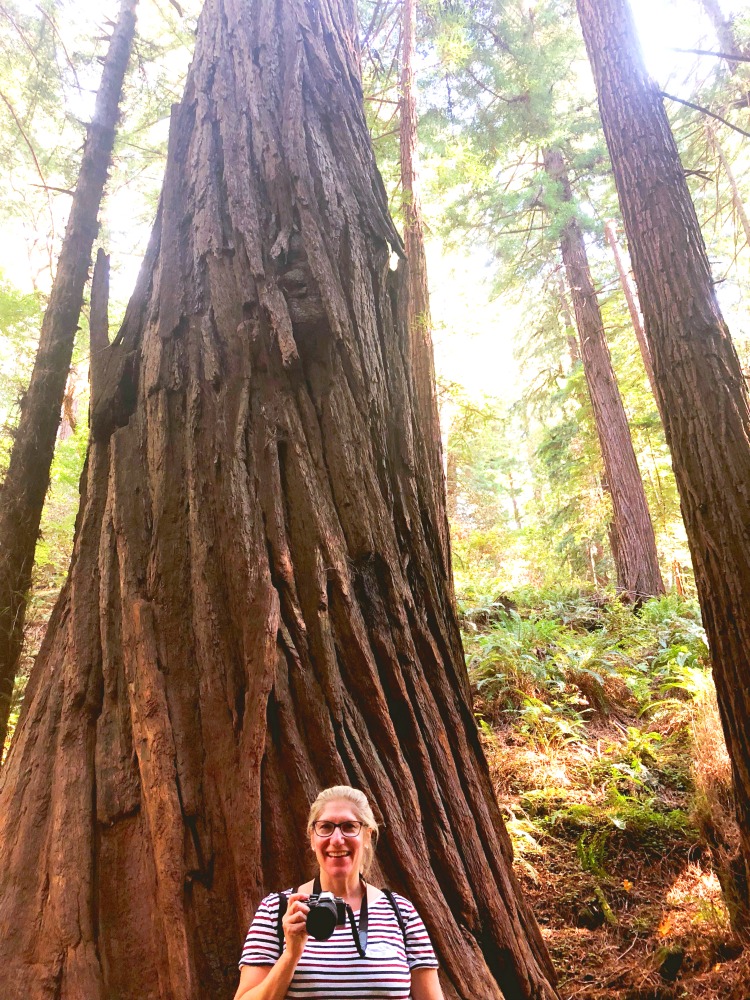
[[701, 391], [419, 318], [634, 551], [258, 603], [25, 486]]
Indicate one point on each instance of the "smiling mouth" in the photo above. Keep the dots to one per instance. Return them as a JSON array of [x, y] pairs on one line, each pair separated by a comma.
[[342, 854]]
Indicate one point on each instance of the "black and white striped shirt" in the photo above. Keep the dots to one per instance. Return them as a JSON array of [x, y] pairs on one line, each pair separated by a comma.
[[333, 968]]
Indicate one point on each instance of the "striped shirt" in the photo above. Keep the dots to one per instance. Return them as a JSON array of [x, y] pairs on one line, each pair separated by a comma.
[[333, 968]]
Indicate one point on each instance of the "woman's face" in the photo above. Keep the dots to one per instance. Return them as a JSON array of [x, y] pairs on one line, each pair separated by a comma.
[[339, 856]]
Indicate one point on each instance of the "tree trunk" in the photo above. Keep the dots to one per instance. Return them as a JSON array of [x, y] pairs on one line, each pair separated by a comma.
[[699, 381], [631, 297], [98, 322], [418, 308], [258, 604], [513, 493], [634, 553], [724, 30], [25, 486], [571, 334]]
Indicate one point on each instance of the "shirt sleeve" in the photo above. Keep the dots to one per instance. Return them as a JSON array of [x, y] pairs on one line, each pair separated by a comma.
[[419, 951], [262, 941]]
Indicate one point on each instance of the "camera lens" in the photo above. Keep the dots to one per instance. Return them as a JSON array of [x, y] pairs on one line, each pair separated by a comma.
[[322, 919]]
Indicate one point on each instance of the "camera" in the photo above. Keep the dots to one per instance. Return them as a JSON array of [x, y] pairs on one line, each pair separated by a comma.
[[326, 913]]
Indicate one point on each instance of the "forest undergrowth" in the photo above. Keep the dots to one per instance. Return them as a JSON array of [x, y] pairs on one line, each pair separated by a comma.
[[600, 724]]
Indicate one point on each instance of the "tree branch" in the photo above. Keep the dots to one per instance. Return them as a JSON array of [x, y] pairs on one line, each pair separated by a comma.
[[6, 13], [705, 111], [57, 35], [716, 55], [26, 139], [51, 187]]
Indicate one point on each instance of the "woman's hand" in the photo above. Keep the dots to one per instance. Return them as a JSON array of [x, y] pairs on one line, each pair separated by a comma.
[[263, 982], [294, 924]]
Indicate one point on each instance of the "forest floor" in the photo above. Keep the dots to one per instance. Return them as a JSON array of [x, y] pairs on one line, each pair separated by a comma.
[[602, 733]]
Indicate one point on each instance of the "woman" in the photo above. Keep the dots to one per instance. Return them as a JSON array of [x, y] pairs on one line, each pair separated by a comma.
[[376, 953]]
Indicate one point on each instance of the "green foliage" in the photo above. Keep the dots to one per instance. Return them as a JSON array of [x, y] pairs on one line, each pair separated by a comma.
[[565, 651], [508, 82], [578, 680], [54, 546], [20, 317]]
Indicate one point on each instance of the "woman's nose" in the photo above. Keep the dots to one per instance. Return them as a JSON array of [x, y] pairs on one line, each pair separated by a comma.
[[337, 836]]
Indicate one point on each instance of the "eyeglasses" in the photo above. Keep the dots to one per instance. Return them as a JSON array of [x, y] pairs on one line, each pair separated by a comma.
[[349, 828]]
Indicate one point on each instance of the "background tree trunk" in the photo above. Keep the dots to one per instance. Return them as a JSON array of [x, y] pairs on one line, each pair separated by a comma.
[[635, 550], [419, 318], [724, 29], [25, 486], [259, 603], [631, 297], [571, 334], [701, 391]]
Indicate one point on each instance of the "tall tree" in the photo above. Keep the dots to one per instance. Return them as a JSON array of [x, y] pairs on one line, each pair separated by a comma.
[[27, 479], [701, 390], [508, 74], [632, 537], [258, 603]]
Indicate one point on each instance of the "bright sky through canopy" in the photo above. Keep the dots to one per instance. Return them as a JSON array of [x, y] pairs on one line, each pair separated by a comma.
[[480, 354], [476, 349]]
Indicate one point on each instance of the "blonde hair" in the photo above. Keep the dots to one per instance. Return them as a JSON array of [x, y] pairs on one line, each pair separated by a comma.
[[358, 800]]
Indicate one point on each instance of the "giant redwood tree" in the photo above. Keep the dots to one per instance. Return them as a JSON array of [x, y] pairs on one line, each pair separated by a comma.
[[258, 603], [701, 390]]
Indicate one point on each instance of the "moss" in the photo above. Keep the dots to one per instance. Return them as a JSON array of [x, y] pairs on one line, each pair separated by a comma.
[[544, 801]]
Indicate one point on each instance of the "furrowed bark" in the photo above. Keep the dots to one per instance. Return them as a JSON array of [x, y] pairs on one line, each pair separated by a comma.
[[701, 390], [634, 551], [26, 482], [258, 604]]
